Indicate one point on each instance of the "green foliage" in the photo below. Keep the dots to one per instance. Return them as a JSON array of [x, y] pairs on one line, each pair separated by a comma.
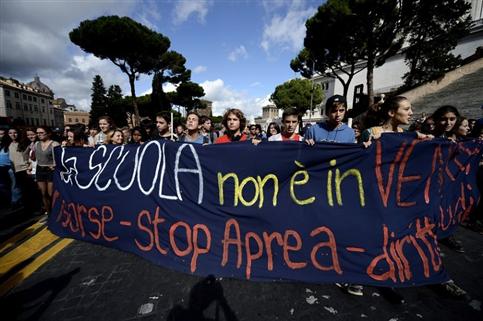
[[344, 33], [98, 99], [433, 36], [297, 93], [115, 105], [187, 95], [131, 46]]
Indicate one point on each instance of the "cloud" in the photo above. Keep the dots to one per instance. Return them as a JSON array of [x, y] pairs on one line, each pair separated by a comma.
[[255, 84], [238, 53], [223, 97], [199, 69], [286, 31], [184, 9]]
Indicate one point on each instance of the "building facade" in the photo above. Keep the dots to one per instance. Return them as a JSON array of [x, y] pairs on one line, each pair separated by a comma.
[[31, 102], [76, 117]]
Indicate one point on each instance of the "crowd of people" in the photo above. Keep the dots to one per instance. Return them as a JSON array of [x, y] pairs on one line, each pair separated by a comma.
[[27, 162]]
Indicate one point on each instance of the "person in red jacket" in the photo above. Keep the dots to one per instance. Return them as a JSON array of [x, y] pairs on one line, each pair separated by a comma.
[[234, 122]]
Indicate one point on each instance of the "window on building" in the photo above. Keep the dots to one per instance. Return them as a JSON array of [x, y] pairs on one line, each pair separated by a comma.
[[42, 100], [43, 109], [7, 92], [35, 99], [36, 121], [52, 122], [30, 106], [25, 107], [17, 105], [24, 96], [77, 120], [17, 95], [9, 104], [29, 98], [70, 120], [45, 122]]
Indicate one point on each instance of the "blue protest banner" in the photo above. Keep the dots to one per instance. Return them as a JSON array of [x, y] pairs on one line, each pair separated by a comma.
[[276, 211]]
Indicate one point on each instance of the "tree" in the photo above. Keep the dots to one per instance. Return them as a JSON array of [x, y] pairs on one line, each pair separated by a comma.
[[432, 37], [187, 95], [98, 99], [131, 46], [116, 107], [345, 36], [171, 68], [297, 93]]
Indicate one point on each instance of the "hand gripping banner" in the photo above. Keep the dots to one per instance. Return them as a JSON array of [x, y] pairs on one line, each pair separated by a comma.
[[276, 211]]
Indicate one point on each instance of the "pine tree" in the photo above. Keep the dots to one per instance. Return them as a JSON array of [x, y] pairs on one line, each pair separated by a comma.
[[434, 31], [116, 107], [98, 102]]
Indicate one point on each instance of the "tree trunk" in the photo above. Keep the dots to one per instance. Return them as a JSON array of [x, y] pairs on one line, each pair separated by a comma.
[[370, 76], [137, 118]]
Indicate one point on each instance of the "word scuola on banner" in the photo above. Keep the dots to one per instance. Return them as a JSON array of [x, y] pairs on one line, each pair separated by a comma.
[[324, 213]]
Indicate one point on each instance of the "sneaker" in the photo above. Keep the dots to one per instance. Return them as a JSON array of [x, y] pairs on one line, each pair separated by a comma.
[[449, 289], [452, 243], [350, 288]]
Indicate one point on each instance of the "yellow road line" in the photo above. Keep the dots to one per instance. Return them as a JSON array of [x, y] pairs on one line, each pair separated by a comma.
[[26, 250], [21, 275], [8, 243]]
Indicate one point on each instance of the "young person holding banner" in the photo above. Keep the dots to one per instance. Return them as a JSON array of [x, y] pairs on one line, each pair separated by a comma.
[[234, 122], [290, 123]]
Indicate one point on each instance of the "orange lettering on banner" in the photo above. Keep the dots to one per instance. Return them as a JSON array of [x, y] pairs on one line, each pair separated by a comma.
[[72, 218], [400, 252], [384, 191], [149, 246], [422, 255], [405, 179], [268, 238], [252, 256], [172, 240], [198, 250], [421, 233], [81, 209], [331, 245], [296, 247], [227, 241], [158, 220], [95, 221], [437, 157], [390, 274], [108, 219]]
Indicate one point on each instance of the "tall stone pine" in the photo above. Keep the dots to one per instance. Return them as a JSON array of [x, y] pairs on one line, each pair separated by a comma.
[[98, 99], [116, 106], [432, 37], [131, 46]]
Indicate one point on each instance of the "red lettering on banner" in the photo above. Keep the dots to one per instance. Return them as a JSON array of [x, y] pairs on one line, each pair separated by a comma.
[[198, 250], [72, 218], [81, 209], [390, 274], [405, 179], [437, 157], [296, 247], [421, 233], [333, 250], [252, 256], [384, 191], [172, 240], [95, 221], [108, 219], [150, 245], [268, 238], [158, 220], [227, 241]]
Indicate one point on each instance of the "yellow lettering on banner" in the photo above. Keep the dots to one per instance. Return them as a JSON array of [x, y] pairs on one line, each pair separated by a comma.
[[221, 181], [330, 198], [293, 182], [258, 185], [239, 191], [338, 182], [262, 182]]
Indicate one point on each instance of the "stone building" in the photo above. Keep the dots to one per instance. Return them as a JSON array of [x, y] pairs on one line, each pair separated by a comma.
[[31, 102]]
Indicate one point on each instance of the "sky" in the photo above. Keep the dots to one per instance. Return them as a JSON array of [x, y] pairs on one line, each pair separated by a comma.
[[237, 50]]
